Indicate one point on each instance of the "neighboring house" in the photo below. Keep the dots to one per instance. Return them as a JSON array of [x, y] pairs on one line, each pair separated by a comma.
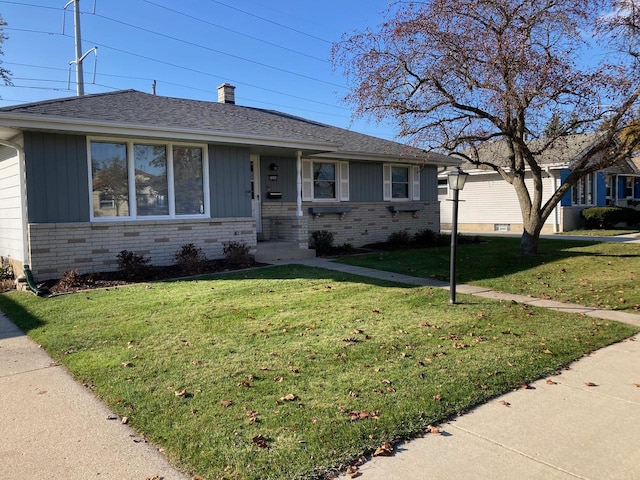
[[490, 203], [84, 178]]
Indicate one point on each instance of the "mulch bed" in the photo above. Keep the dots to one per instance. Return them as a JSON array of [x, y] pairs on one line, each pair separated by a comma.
[[74, 282]]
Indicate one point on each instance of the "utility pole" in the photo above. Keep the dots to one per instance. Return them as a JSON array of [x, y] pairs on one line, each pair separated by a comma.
[[78, 43]]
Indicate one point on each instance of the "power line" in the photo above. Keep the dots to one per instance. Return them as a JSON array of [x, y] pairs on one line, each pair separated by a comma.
[[189, 69], [193, 44], [272, 22], [236, 32]]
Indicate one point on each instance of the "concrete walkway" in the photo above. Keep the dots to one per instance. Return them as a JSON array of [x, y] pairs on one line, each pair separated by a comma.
[[53, 428], [584, 423]]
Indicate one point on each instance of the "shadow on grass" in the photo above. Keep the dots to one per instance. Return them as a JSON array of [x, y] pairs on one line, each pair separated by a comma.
[[493, 257], [16, 313]]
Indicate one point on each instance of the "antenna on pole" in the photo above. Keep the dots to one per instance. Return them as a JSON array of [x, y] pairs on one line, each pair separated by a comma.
[[78, 44]]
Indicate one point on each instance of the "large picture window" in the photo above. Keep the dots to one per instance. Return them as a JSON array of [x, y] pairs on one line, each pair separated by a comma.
[[141, 180]]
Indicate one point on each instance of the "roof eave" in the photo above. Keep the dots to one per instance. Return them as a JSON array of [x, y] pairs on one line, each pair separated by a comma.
[[427, 158], [15, 122]]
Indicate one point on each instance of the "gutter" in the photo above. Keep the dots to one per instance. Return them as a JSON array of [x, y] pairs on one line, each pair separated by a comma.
[[92, 127]]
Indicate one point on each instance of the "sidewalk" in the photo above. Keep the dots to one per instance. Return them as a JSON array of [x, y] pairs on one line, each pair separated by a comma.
[[53, 428]]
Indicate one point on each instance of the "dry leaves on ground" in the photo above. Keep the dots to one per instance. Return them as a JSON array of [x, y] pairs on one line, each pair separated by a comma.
[[384, 450]]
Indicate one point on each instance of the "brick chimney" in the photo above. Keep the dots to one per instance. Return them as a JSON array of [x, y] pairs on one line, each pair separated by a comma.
[[227, 93]]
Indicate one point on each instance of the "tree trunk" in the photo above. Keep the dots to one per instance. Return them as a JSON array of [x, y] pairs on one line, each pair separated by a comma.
[[529, 242]]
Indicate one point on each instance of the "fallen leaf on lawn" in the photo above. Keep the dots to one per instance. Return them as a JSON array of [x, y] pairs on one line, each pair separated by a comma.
[[590, 384], [385, 450], [505, 403], [352, 472], [181, 393], [125, 420], [288, 398], [226, 403], [127, 364], [526, 386], [244, 383], [551, 382], [260, 441], [375, 310], [437, 397], [278, 379], [434, 430], [548, 352], [295, 370], [253, 417]]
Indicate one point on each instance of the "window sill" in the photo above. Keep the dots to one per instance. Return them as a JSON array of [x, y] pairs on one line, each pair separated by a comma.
[[413, 208], [318, 211]]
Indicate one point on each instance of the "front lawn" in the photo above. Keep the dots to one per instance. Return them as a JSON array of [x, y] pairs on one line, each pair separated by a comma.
[[603, 275], [288, 372]]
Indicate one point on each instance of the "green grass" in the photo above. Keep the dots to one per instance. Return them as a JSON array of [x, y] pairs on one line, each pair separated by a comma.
[[603, 275], [340, 345]]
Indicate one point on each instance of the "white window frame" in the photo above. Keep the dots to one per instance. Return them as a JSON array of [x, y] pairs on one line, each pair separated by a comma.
[[131, 179], [341, 181], [414, 182], [584, 191]]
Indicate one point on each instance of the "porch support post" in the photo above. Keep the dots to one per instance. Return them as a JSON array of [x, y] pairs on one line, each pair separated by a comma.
[[299, 182]]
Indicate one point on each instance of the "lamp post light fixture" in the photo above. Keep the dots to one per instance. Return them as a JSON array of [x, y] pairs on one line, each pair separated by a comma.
[[456, 180]]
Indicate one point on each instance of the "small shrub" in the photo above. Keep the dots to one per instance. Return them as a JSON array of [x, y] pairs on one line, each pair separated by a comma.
[[322, 242], [190, 258], [6, 269], [132, 265], [399, 240], [237, 253], [425, 238], [344, 249], [607, 217]]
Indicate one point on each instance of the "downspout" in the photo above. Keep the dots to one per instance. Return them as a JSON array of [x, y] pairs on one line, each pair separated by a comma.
[[299, 182]]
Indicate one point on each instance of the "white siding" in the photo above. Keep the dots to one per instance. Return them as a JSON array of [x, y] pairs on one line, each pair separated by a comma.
[[488, 199], [11, 233]]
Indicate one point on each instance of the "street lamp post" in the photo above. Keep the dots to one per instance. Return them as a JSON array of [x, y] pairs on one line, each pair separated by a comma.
[[456, 180]]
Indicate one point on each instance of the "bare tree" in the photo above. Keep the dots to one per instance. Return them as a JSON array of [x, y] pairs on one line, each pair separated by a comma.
[[459, 73], [5, 74]]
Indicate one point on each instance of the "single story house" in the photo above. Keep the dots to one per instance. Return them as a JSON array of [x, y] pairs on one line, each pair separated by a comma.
[[491, 205], [86, 177]]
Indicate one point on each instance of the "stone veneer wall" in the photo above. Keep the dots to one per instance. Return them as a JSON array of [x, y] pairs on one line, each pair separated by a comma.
[[366, 222], [93, 247]]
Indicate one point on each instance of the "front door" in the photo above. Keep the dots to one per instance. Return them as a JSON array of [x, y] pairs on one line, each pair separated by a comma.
[[256, 203]]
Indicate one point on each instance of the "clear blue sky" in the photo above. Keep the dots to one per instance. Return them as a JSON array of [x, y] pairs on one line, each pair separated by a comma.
[[276, 52]]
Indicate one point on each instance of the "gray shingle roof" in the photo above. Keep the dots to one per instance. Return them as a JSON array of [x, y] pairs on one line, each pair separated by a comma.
[[130, 107], [563, 151]]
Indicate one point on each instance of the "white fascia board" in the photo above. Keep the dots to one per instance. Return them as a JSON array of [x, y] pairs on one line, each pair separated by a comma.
[[89, 127], [429, 159]]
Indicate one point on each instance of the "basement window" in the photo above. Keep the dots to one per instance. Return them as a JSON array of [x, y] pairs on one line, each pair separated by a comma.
[[502, 227]]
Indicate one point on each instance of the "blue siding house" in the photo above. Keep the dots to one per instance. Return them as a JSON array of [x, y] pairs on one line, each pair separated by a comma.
[[84, 178]]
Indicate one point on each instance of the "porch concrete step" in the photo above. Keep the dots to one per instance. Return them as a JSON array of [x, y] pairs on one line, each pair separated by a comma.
[[275, 251]]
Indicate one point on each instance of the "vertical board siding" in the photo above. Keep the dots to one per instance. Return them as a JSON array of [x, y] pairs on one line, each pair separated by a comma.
[[429, 183], [229, 181], [365, 182], [286, 182], [11, 236], [57, 178]]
